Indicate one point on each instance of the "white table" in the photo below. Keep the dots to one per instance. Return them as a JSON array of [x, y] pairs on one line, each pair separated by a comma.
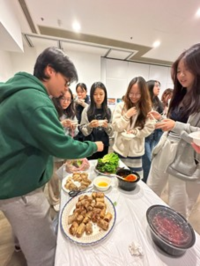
[[131, 225]]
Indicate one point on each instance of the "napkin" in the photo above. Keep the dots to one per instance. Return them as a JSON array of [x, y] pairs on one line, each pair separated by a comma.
[[135, 249]]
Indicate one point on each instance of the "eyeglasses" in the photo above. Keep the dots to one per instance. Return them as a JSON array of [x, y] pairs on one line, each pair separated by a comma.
[[65, 99], [137, 95], [67, 83]]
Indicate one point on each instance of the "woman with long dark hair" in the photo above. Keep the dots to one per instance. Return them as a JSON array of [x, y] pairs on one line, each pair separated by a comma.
[[165, 99], [174, 159], [81, 100], [131, 116], [66, 112], [96, 118]]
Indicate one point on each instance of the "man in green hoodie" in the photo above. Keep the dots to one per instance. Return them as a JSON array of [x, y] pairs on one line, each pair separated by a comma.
[[30, 135]]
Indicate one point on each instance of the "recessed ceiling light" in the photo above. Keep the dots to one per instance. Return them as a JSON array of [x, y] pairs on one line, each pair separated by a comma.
[[198, 13], [156, 44], [76, 26]]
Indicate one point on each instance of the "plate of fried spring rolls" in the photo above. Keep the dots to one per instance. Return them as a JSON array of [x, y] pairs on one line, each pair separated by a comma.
[[88, 218], [76, 182]]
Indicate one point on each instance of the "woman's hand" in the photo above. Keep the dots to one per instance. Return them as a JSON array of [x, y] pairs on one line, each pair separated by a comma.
[[196, 147], [94, 123], [165, 124], [131, 112], [80, 101], [66, 123], [132, 131], [154, 115], [105, 123]]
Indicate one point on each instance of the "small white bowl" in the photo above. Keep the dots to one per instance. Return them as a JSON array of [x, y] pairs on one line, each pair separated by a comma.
[[102, 183], [101, 122], [196, 137], [128, 136]]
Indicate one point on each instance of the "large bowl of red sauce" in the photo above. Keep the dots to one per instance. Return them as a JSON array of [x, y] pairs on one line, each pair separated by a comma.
[[127, 180], [170, 230]]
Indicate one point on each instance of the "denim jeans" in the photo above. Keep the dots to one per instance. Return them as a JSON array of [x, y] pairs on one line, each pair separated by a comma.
[[150, 142]]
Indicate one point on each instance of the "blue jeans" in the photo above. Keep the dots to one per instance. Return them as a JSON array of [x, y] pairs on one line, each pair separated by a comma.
[[150, 142]]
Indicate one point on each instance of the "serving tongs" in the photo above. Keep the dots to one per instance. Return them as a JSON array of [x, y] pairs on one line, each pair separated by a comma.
[[74, 193]]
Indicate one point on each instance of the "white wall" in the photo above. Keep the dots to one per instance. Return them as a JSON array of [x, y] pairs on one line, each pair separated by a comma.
[[88, 65], [115, 74], [11, 37], [24, 61], [5, 66]]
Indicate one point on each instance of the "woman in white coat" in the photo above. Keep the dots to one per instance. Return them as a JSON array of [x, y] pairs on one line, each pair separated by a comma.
[[131, 116]]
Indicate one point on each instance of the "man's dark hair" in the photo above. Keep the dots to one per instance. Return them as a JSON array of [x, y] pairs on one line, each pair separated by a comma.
[[57, 59]]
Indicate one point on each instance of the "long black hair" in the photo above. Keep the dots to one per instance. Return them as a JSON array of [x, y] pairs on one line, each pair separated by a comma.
[[82, 86], [191, 59], [69, 112], [92, 107], [156, 103]]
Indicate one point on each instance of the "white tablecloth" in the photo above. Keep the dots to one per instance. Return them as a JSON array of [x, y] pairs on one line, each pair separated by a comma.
[[131, 226]]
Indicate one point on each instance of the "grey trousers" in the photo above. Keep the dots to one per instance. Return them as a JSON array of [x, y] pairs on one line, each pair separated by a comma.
[[32, 226]]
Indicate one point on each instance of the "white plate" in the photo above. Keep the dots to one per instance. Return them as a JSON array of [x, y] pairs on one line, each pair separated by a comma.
[[75, 182], [98, 234]]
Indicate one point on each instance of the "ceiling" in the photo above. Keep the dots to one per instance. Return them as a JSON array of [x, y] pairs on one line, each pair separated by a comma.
[[119, 29]]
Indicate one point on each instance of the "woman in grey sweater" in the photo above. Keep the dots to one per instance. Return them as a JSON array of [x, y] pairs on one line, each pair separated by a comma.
[[174, 159]]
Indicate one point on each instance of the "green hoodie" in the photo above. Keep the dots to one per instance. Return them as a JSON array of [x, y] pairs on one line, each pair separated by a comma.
[[30, 135]]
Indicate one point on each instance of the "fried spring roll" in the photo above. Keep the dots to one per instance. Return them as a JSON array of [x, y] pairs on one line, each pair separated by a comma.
[[86, 220], [73, 228], [100, 200], [108, 217], [89, 214], [79, 218], [99, 195], [72, 218], [100, 205], [80, 230], [96, 210], [103, 212], [88, 228], [103, 224]]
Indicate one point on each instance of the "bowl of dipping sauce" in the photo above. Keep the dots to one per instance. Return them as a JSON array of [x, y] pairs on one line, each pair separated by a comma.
[[102, 183], [127, 180]]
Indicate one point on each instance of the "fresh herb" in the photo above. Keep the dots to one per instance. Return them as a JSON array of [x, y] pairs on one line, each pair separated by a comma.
[[77, 163], [108, 164]]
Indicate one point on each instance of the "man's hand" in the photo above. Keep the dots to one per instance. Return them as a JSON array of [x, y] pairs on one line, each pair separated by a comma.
[[100, 145]]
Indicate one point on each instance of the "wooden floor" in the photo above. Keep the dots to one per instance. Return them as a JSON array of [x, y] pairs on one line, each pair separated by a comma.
[[8, 257]]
